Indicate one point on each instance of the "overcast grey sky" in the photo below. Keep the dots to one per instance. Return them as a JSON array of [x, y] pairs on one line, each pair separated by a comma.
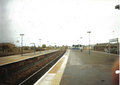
[[59, 21]]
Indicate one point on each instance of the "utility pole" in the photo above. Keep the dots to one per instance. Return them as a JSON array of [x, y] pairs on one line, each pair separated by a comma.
[[81, 43], [40, 44], [89, 40], [21, 44]]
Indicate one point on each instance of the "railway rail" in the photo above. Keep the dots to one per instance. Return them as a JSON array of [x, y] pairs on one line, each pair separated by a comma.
[[28, 71]]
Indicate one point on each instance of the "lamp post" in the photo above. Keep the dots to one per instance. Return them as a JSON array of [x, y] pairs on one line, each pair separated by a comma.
[[55, 46], [51, 45], [40, 44], [89, 40], [48, 45], [81, 43], [118, 7], [77, 44], [21, 44]]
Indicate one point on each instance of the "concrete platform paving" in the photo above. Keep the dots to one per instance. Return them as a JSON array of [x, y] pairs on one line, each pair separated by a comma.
[[80, 68], [85, 69], [15, 58]]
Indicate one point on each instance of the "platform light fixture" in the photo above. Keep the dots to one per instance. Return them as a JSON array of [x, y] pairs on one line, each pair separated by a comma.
[[89, 40], [40, 44], [81, 43], [21, 44], [48, 45]]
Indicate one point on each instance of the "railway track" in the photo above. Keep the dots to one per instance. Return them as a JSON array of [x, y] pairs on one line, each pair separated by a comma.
[[32, 71]]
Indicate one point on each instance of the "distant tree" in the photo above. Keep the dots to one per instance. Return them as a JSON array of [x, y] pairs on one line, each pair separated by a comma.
[[26, 48], [32, 47], [76, 46], [66, 46], [80, 45], [55, 45], [5, 47], [38, 48], [43, 46], [73, 45], [63, 46]]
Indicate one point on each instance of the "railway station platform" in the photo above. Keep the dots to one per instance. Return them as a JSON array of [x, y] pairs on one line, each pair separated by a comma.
[[53, 76], [80, 68], [16, 58]]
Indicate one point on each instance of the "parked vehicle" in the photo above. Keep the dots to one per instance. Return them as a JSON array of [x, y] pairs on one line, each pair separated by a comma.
[[116, 51], [111, 51]]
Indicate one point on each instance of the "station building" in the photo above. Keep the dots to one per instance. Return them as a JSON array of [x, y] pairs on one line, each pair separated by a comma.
[[103, 46]]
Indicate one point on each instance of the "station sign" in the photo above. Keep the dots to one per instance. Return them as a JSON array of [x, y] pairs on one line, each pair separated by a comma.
[[113, 40]]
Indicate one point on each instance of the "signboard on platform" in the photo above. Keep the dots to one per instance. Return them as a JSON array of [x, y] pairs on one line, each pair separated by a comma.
[[113, 40]]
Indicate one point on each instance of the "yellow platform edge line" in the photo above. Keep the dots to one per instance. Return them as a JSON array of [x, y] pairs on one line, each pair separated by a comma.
[[47, 73], [58, 77]]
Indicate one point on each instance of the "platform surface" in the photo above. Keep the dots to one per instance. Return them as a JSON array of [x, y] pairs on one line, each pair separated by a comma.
[[15, 58], [80, 68], [88, 69]]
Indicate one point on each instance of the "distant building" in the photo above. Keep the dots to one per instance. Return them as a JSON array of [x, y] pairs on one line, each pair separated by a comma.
[[100, 46], [105, 46]]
